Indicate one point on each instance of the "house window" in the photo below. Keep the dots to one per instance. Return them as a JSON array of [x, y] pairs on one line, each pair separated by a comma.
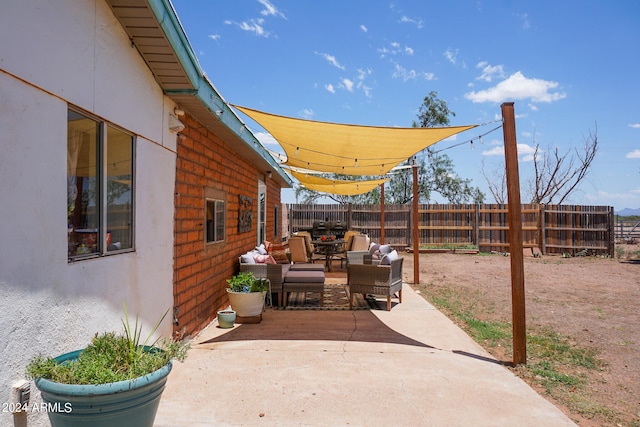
[[100, 186], [262, 212], [215, 216]]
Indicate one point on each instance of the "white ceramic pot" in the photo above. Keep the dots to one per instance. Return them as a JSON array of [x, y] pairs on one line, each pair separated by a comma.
[[247, 304]]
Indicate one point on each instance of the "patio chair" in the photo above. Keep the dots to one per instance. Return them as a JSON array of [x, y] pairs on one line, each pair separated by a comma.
[[312, 253], [298, 249], [361, 242], [376, 279], [350, 237], [356, 257]]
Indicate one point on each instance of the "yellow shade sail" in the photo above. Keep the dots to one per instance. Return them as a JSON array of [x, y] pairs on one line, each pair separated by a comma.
[[344, 190], [336, 186], [347, 149]]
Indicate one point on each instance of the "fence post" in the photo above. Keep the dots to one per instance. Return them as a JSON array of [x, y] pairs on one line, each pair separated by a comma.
[[476, 226], [611, 233], [416, 240], [543, 231], [515, 229]]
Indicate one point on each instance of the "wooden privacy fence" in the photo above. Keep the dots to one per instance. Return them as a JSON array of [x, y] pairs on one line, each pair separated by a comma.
[[551, 228]]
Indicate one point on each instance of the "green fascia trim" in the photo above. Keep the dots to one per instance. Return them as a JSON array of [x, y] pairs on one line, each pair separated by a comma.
[[203, 88], [168, 20]]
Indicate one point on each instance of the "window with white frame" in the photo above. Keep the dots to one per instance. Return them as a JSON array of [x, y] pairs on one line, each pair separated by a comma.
[[215, 216], [100, 187]]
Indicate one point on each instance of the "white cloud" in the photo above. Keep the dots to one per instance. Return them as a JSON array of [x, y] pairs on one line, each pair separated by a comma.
[[307, 113], [331, 59], [404, 74], [330, 88], [214, 36], [635, 125], [362, 74], [366, 89], [395, 49], [517, 86], [635, 154], [495, 151], [525, 151], [363, 28], [524, 17], [347, 84], [254, 26], [407, 20], [489, 72], [451, 55], [270, 9], [265, 138]]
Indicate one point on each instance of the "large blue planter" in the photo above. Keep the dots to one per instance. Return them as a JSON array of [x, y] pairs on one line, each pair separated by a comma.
[[131, 403]]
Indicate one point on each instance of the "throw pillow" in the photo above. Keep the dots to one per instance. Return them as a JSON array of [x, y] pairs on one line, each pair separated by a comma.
[[261, 250], [261, 259], [373, 248], [248, 258], [387, 258], [279, 254], [385, 249]]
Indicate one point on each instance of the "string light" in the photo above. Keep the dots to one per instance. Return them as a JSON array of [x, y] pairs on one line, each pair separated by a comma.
[[468, 140], [356, 164], [297, 151]]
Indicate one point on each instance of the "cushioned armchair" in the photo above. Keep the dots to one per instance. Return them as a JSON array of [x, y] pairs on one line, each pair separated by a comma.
[[375, 279]]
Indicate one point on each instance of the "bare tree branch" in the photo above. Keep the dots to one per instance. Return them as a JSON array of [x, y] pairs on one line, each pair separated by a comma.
[[497, 184], [557, 176]]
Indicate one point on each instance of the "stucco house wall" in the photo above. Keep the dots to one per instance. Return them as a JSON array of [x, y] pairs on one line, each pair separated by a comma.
[[57, 54]]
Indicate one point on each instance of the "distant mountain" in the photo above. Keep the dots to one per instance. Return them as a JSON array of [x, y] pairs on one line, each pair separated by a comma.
[[628, 212]]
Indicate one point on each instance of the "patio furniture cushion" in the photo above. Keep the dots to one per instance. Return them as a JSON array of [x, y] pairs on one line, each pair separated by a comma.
[[373, 248], [247, 258], [307, 267], [387, 259], [278, 253], [302, 276]]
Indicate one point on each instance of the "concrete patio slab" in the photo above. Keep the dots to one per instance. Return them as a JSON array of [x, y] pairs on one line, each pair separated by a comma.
[[410, 366]]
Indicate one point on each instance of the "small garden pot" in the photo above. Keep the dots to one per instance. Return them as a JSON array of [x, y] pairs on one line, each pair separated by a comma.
[[226, 318]]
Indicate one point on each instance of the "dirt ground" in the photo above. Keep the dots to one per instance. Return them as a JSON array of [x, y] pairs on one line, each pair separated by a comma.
[[594, 301]]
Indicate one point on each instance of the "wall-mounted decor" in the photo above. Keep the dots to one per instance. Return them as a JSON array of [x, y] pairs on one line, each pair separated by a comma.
[[245, 213]]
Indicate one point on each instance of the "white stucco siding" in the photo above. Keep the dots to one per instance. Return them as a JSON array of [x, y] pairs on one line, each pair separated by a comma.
[[74, 53]]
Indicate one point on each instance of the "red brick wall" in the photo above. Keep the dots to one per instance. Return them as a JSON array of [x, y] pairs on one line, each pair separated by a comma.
[[201, 270]]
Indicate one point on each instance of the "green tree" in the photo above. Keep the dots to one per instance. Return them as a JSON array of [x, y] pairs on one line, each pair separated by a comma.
[[436, 172]]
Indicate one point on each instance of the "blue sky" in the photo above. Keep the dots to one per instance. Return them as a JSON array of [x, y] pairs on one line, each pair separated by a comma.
[[568, 66]]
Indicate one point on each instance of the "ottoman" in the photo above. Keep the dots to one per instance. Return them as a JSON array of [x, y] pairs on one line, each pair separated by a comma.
[[303, 281]]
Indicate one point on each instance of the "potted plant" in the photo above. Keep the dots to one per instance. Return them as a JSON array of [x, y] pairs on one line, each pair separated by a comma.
[[226, 318], [247, 293], [115, 381]]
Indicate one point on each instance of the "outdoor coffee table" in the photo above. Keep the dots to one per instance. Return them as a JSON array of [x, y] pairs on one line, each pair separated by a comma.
[[329, 248]]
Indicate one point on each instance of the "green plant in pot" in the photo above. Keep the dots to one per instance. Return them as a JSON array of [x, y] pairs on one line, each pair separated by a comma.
[[246, 293], [117, 380]]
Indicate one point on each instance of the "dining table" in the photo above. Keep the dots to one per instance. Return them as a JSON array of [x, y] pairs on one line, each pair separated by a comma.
[[329, 248]]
